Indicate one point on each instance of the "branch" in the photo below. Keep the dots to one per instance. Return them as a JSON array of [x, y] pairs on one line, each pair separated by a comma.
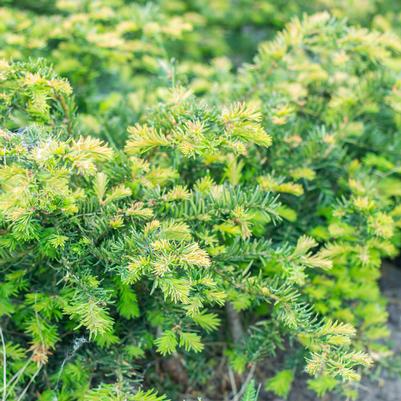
[[234, 320], [3, 344]]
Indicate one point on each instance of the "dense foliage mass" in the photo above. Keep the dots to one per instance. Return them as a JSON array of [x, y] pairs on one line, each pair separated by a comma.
[[174, 213]]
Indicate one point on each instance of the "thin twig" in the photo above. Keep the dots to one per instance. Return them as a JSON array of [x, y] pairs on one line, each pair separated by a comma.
[[3, 344], [245, 384], [18, 374], [30, 382], [14, 380], [232, 380]]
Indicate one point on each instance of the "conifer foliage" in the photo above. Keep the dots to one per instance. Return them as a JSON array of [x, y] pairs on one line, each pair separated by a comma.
[[160, 232]]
